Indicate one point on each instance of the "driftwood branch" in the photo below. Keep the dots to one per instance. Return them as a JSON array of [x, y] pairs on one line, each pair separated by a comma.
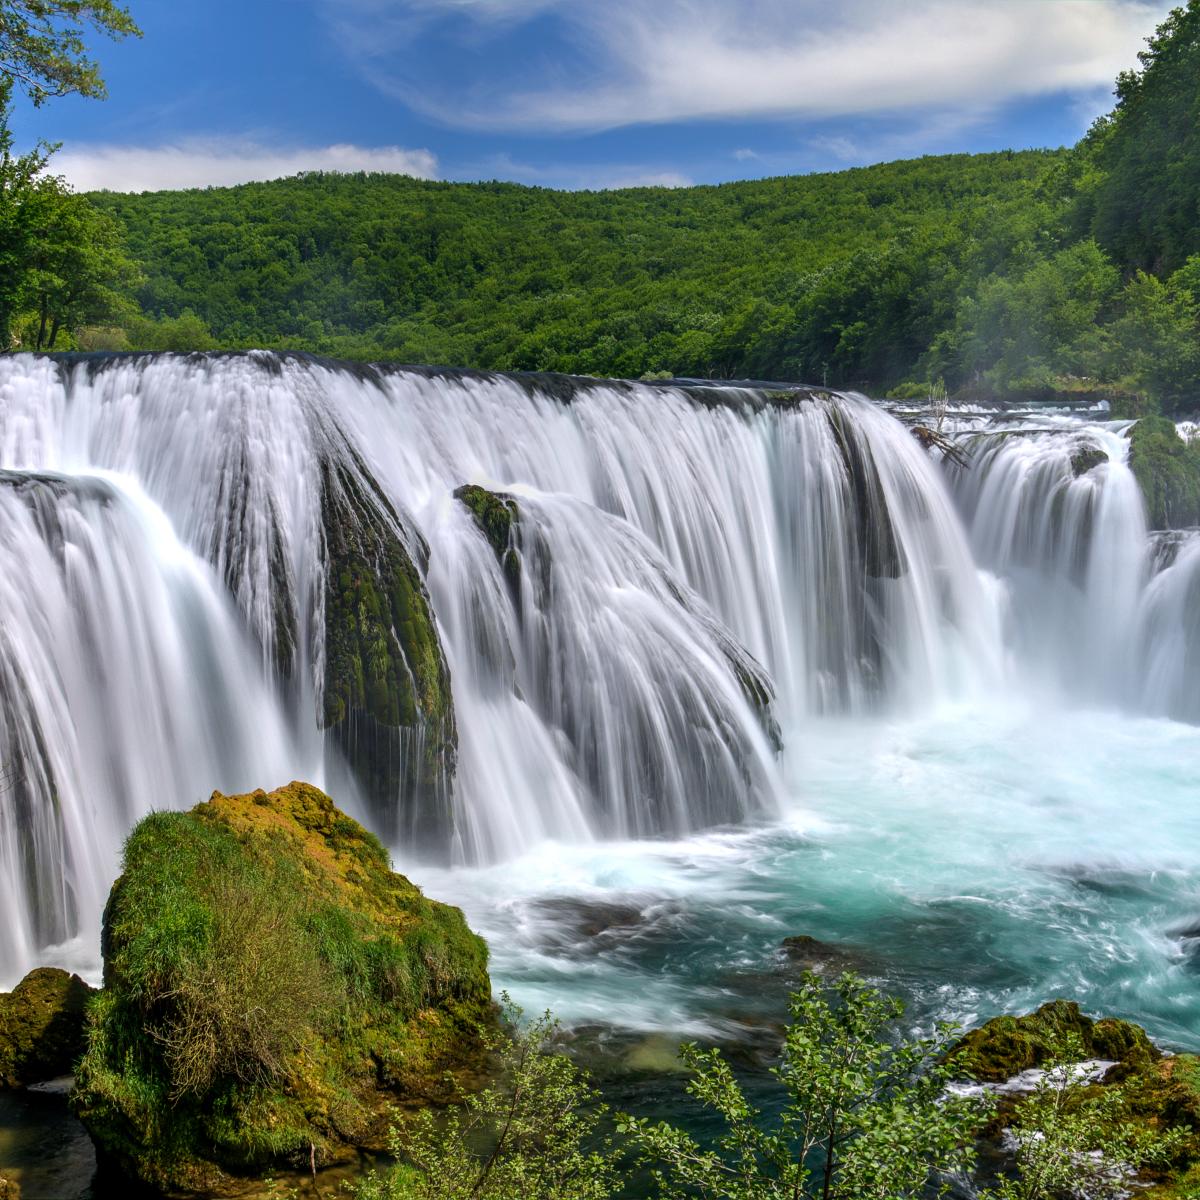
[[931, 439]]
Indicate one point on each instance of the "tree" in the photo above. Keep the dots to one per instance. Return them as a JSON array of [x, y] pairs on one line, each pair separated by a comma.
[[862, 1118], [43, 46], [1142, 199], [18, 187], [533, 1135], [76, 271], [1155, 342]]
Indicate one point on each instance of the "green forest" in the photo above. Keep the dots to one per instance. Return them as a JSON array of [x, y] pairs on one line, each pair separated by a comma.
[[1009, 275]]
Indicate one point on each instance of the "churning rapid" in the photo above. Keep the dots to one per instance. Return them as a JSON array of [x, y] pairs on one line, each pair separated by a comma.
[[492, 614]]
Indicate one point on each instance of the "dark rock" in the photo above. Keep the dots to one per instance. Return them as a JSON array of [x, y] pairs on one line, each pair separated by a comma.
[[42, 1027]]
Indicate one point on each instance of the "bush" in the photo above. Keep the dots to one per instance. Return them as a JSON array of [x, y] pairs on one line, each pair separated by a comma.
[[861, 1117], [532, 1135]]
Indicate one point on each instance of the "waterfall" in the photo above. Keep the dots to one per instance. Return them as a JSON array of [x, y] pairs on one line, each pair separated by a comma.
[[226, 571]]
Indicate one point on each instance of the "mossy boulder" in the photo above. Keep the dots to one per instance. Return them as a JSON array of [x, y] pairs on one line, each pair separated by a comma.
[[386, 697], [1158, 1091], [270, 987], [42, 1027], [1008, 1045], [496, 514], [1167, 470], [1086, 459]]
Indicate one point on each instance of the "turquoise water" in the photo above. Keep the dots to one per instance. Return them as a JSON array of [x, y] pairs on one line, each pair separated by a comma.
[[975, 862]]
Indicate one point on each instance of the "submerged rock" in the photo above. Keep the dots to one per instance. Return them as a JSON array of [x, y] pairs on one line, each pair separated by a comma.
[[387, 697], [1008, 1045], [42, 1027], [270, 986], [806, 953]]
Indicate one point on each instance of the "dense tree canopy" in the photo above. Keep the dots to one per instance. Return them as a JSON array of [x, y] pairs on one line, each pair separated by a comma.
[[1144, 199], [846, 275]]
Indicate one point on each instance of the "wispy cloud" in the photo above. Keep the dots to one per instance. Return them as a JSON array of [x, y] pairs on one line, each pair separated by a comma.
[[213, 162], [745, 154], [598, 64]]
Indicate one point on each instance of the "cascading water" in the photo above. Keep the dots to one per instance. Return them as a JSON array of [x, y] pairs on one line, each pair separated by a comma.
[[189, 545]]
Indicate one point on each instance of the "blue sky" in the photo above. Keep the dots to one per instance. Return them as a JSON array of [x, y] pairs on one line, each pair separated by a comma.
[[583, 93]]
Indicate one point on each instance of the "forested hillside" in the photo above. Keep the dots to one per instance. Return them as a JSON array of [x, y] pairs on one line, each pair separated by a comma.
[[1003, 274], [850, 273]]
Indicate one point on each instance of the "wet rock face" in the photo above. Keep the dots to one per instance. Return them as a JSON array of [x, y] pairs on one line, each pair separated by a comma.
[[42, 1027], [387, 700], [272, 987]]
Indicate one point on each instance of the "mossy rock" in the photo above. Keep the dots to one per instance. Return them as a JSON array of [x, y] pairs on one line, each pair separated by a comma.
[[42, 1027], [271, 986], [1087, 459], [1008, 1045], [1167, 470], [387, 698], [496, 514]]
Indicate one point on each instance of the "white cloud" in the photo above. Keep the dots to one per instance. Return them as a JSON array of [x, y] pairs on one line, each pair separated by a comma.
[[745, 154], [619, 62], [211, 162]]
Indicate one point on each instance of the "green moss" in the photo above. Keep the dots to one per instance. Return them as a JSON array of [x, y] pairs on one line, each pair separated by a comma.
[[387, 695], [41, 1027], [1008, 1045], [1168, 471], [1087, 459], [270, 986], [496, 514]]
